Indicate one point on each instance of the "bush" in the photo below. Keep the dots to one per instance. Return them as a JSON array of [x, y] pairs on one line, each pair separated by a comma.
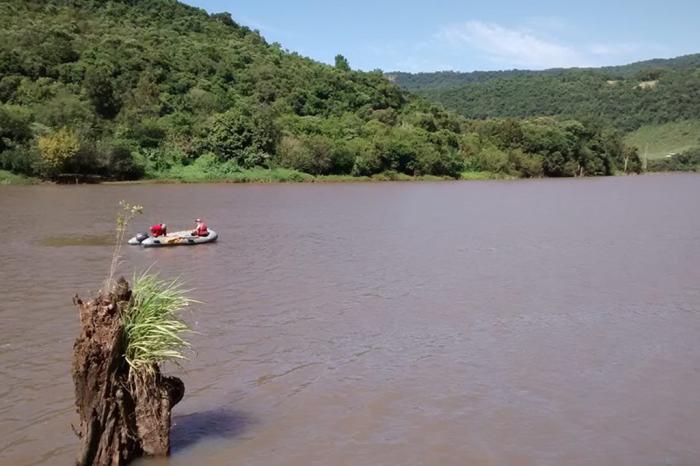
[[342, 158], [685, 161], [239, 134], [432, 162], [58, 149], [156, 162], [99, 87], [631, 159], [147, 133], [555, 164], [366, 165], [64, 109], [489, 159], [311, 154], [527, 166], [15, 129], [400, 151], [23, 160], [119, 161]]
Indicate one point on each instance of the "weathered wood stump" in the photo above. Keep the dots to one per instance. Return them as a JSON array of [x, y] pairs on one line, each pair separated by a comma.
[[122, 415]]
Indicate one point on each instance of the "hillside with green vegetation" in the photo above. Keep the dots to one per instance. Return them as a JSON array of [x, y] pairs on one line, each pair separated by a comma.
[[627, 97], [128, 89], [448, 79], [658, 141]]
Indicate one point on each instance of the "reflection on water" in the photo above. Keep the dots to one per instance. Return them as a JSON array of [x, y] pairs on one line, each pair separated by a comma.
[[221, 424], [542, 322], [77, 240]]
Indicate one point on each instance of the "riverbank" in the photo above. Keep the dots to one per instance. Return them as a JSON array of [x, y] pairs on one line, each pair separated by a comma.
[[278, 175], [224, 173], [282, 175]]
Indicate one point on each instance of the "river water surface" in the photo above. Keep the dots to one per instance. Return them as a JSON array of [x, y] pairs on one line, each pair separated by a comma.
[[546, 322]]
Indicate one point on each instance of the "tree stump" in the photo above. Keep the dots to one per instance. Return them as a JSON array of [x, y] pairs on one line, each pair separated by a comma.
[[122, 416]]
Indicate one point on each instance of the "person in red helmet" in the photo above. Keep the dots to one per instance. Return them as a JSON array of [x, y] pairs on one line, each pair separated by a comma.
[[200, 228], [159, 229]]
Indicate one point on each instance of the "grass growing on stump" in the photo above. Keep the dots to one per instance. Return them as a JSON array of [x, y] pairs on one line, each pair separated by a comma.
[[152, 326], [153, 335]]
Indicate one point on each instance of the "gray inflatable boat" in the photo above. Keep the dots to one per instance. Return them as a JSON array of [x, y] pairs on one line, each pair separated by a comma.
[[178, 238]]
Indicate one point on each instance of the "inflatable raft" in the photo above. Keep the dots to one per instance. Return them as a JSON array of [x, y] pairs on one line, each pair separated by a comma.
[[178, 238]]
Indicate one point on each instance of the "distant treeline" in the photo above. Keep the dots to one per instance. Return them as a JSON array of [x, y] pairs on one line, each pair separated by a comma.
[[627, 97], [130, 89]]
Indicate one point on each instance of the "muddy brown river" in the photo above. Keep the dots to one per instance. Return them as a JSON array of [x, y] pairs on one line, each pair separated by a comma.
[[545, 322]]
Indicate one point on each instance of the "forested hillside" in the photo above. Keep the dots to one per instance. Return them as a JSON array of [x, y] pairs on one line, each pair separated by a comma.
[[649, 92], [127, 89]]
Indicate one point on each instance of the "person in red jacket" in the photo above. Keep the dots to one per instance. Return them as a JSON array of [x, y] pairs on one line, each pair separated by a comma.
[[159, 229], [200, 228]]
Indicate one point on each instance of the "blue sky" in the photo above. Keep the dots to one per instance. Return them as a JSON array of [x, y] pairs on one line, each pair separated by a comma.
[[435, 35]]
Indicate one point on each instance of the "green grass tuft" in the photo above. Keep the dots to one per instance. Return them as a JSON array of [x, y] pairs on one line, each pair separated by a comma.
[[153, 329]]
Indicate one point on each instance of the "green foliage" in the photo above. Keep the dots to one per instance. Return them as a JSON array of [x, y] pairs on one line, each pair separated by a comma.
[[58, 149], [156, 88], [243, 136], [546, 147], [688, 161], [341, 63], [153, 330], [312, 154], [118, 160], [489, 159], [157, 162], [100, 90], [15, 129], [658, 141], [7, 177], [626, 96], [21, 161], [482, 175], [209, 168], [64, 109], [147, 132]]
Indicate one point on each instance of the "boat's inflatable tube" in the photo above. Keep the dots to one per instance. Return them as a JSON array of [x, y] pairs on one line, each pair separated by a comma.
[[136, 240], [178, 238]]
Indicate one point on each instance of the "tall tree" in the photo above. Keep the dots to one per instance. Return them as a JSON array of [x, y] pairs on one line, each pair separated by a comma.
[[342, 63]]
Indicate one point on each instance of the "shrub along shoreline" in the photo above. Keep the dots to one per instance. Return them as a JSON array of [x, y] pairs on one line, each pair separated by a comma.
[[260, 176], [273, 176], [207, 169], [7, 177]]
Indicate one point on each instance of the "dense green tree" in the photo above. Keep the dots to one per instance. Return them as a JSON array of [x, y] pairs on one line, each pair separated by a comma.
[[244, 136], [15, 128], [341, 63], [99, 88]]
